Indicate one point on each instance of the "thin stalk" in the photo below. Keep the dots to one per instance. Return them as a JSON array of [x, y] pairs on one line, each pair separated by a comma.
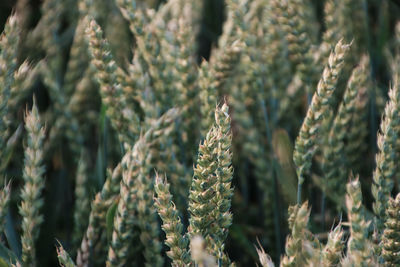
[[267, 128], [323, 208], [299, 188], [374, 127], [309, 98], [277, 218], [276, 197]]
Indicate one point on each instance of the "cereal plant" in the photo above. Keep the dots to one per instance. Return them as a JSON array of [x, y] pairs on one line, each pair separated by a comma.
[[199, 133]]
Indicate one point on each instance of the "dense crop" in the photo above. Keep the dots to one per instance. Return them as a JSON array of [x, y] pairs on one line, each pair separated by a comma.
[[120, 145]]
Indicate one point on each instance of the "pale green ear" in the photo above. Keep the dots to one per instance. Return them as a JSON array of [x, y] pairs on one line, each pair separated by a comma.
[[64, 258], [33, 176], [307, 140]]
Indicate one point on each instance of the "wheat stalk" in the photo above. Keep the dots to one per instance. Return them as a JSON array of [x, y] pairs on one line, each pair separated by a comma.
[[33, 175], [306, 140]]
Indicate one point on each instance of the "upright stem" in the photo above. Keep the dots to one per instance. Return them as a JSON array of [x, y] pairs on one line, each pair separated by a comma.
[[276, 197], [323, 206], [277, 218], [299, 185]]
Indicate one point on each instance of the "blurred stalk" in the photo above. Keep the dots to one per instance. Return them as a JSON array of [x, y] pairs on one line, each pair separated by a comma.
[[277, 222]]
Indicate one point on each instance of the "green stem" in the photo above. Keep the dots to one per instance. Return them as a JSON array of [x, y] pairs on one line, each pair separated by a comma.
[[299, 188], [276, 196]]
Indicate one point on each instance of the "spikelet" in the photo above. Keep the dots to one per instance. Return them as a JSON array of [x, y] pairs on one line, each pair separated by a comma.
[[148, 32], [5, 195], [8, 56], [234, 27], [65, 124], [294, 17], [212, 79], [384, 173], [33, 175], [129, 9], [155, 139], [224, 64], [277, 65], [305, 142], [46, 32], [224, 174], [146, 58], [333, 250], [23, 80], [344, 19], [158, 138], [97, 218], [199, 253], [359, 247], [357, 131], [172, 225], [83, 252], [264, 258], [210, 193], [332, 32], [63, 257], [115, 30], [295, 248], [125, 218], [185, 74], [335, 167], [78, 59], [202, 189], [147, 218], [357, 81], [208, 96], [135, 206], [84, 101], [391, 234], [165, 156], [352, 23], [82, 201], [265, 60], [122, 117], [8, 59]]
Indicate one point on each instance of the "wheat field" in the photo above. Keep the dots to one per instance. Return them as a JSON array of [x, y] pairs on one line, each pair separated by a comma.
[[200, 133]]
